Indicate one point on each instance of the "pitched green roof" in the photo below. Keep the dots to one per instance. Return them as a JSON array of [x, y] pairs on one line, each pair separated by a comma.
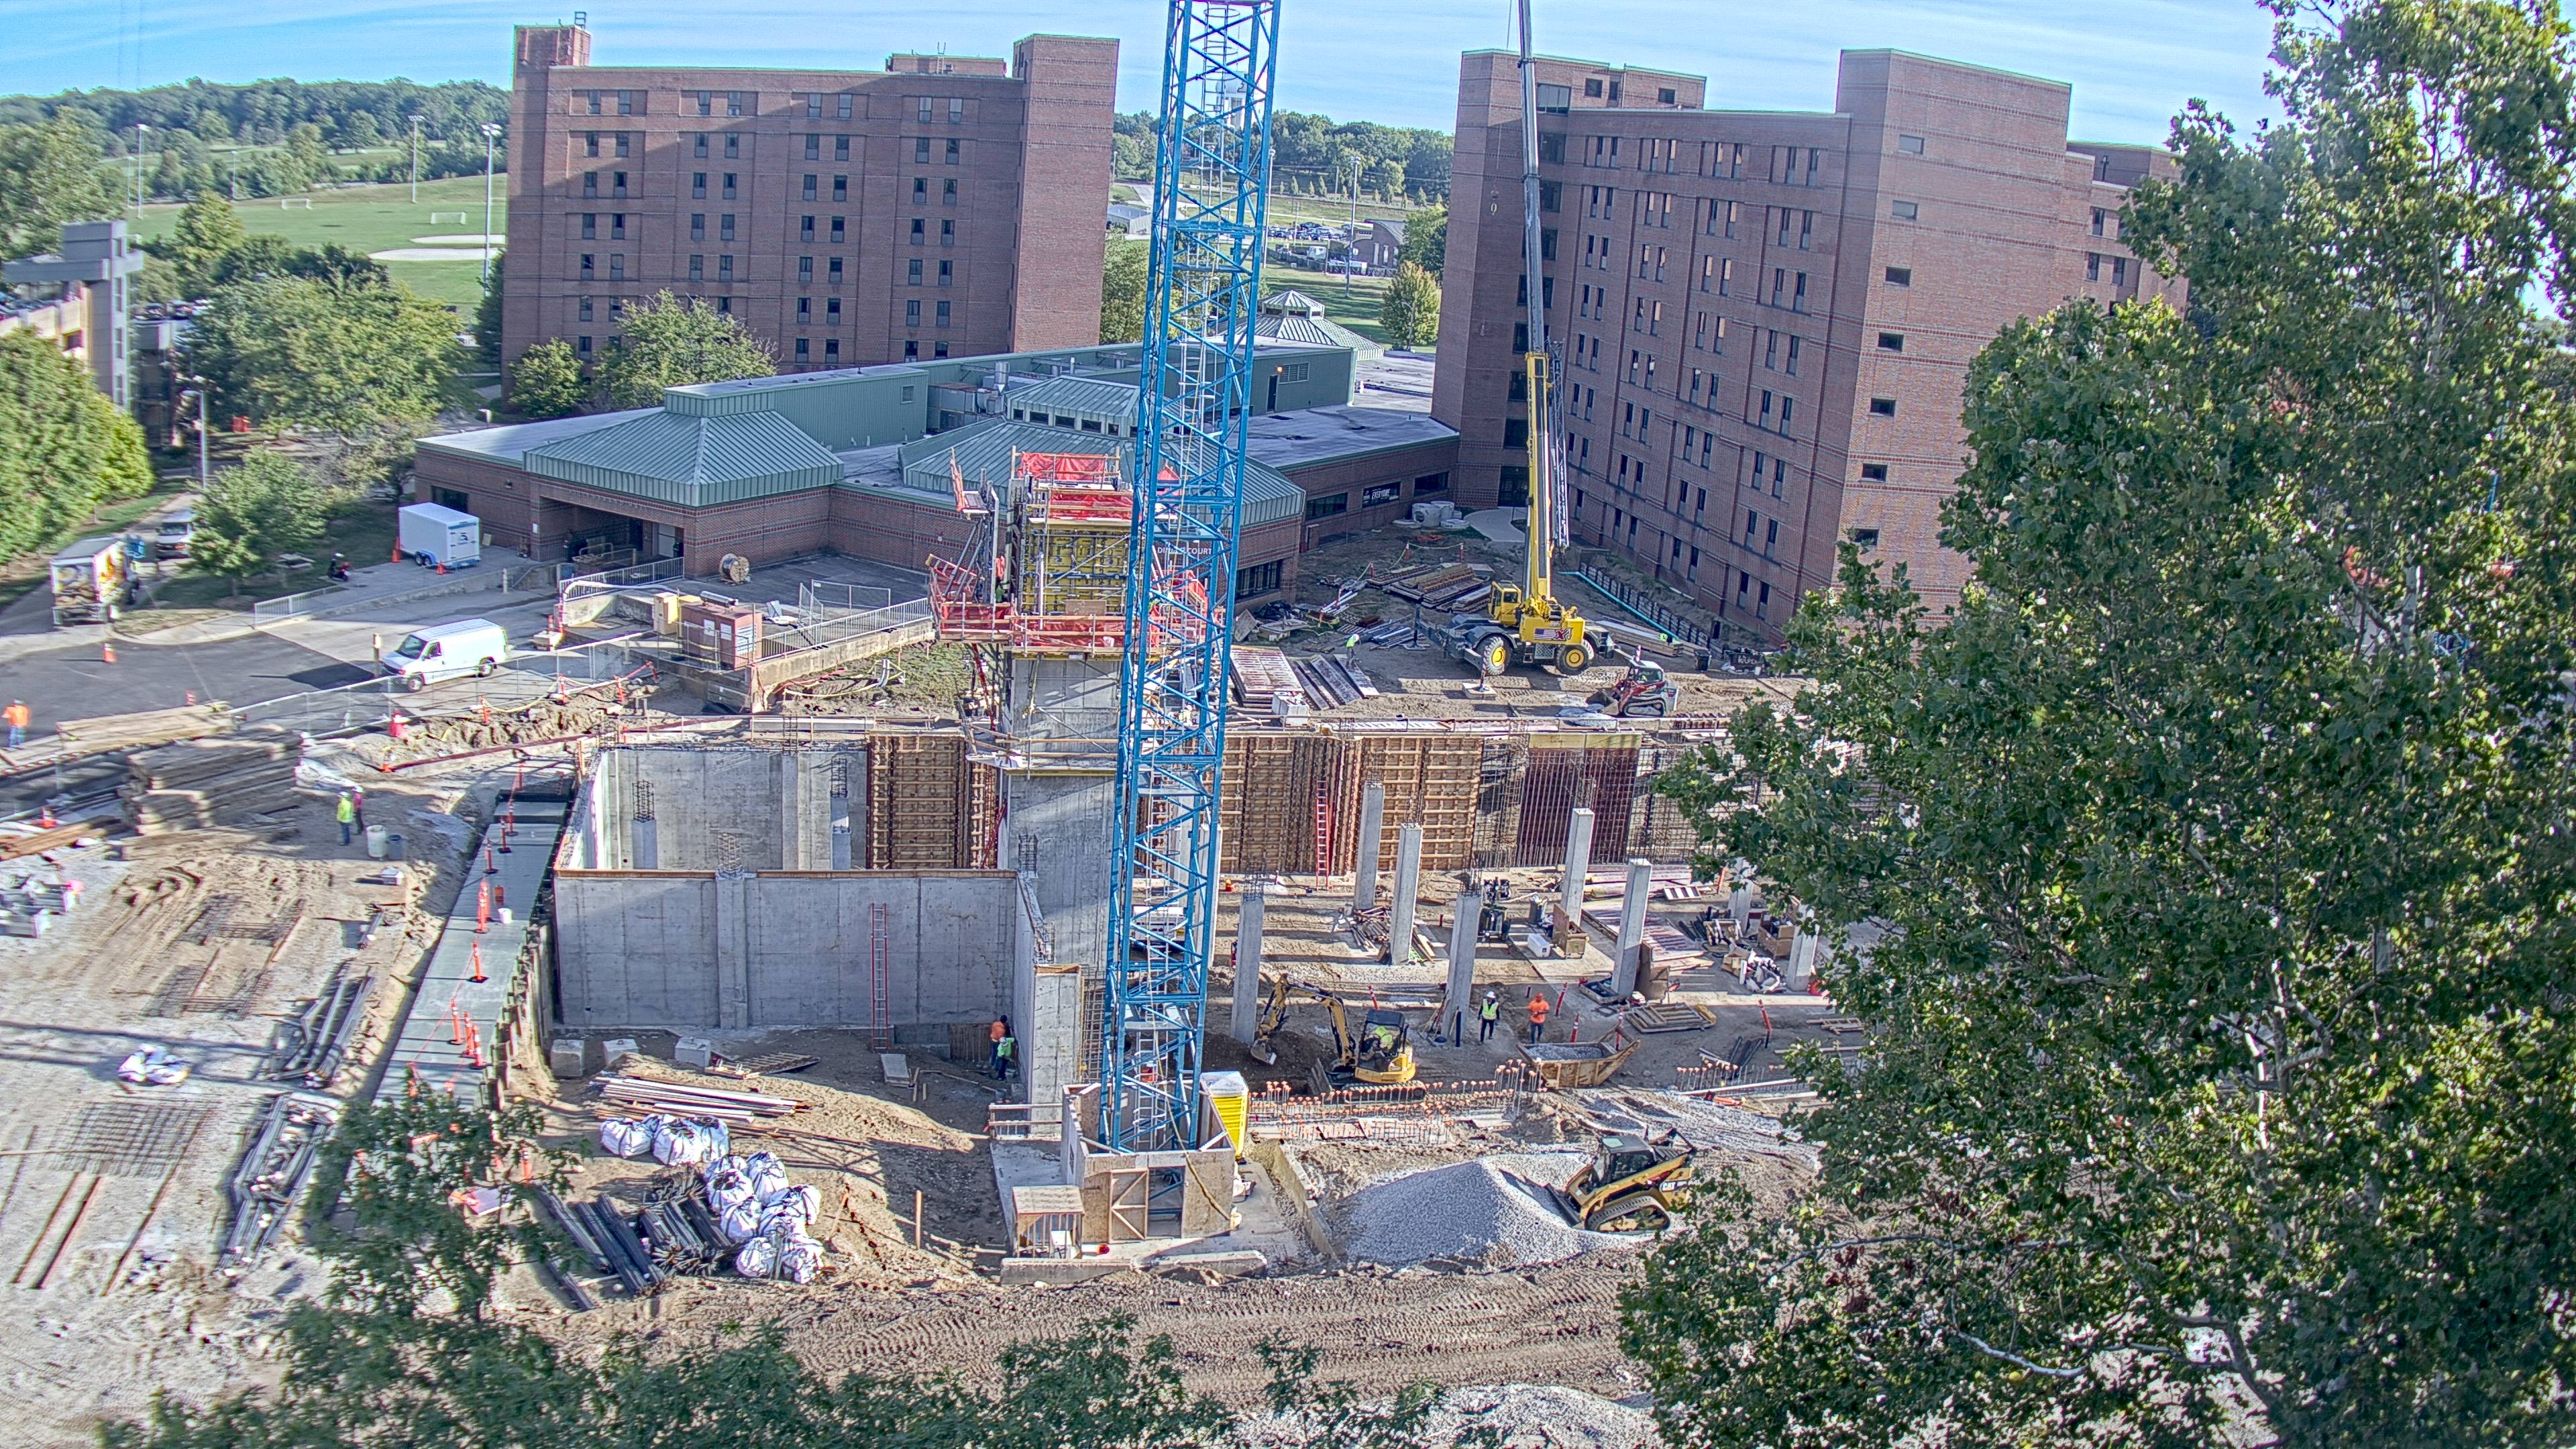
[[694, 461]]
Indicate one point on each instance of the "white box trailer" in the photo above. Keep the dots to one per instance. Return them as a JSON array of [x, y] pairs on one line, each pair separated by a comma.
[[435, 536]]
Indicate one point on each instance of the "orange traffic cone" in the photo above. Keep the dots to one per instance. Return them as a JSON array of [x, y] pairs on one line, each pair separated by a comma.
[[45, 817], [107, 651], [397, 558], [478, 962]]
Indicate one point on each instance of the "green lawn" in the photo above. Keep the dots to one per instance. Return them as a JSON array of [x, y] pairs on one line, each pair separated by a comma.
[[365, 533], [1355, 308], [369, 219]]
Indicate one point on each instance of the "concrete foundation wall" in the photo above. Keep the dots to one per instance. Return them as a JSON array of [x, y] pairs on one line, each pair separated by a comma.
[[742, 951], [1057, 829], [722, 810]]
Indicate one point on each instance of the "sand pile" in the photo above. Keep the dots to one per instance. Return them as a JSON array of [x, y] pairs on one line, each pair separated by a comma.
[[1491, 1211]]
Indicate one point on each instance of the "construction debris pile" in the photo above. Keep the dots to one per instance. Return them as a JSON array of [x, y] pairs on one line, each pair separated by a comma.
[[29, 902], [682, 1099], [1445, 588], [739, 1211], [270, 1177], [200, 784], [105, 733], [495, 727], [1270, 682]]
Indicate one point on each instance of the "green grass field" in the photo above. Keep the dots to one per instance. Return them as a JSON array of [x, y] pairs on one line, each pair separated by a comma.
[[369, 219]]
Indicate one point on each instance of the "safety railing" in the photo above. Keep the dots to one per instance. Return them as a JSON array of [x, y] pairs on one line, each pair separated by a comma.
[[842, 598], [838, 628], [271, 611]]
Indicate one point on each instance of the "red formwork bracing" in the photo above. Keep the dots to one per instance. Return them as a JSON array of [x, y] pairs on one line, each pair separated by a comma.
[[1078, 491], [1066, 467]]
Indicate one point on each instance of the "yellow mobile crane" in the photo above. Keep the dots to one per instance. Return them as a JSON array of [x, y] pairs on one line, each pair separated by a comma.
[[1527, 623]]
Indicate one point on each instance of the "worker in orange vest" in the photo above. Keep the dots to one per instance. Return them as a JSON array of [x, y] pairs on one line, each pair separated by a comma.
[[1538, 1017], [16, 715], [997, 1033]]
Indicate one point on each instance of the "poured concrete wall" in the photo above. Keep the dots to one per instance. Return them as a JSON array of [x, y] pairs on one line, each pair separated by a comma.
[[698, 809], [1057, 831], [733, 951]]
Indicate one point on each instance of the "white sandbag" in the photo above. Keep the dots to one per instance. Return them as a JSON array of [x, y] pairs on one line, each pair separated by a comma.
[[727, 1163], [757, 1259], [803, 1202], [681, 1142], [626, 1137], [766, 1174], [799, 1257], [726, 1190], [152, 1067], [741, 1222], [719, 1137]]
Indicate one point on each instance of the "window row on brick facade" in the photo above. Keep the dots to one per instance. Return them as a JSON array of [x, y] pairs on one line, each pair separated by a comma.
[[817, 105]]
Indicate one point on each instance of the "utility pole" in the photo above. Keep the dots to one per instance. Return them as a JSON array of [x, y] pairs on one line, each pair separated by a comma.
[[1354, 254], [491, 133], [139, 129], [415, 160], [203, 402]]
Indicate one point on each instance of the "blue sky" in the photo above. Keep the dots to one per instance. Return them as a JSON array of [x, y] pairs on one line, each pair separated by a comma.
[[2132, 65]]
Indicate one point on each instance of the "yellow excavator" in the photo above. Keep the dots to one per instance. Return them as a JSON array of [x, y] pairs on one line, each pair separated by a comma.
[[1633, 1184], [1527, 623], [1379, 1054]]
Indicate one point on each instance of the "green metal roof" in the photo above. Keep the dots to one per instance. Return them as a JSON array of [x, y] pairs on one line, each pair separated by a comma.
[[983, 451], [694, 461], [1079, 397]]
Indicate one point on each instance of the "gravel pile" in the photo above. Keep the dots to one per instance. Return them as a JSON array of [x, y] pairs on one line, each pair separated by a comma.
[[1490, 1211], [1528, 1416]]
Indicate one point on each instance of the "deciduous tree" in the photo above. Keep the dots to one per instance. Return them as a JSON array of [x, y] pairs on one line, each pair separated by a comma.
[[208, 231], [270, 505], [2213, 853], [51, 173], [1122, 291], [672, 341], [345, 355], [1410, 309], [548, 381], [64, 448], [1426, 239]]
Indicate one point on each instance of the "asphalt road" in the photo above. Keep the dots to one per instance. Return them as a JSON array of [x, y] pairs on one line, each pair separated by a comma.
[[74, 683]]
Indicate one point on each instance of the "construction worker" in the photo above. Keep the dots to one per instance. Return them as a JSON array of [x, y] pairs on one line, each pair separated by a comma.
[[16, 715], [1538, 1017], [1488, 1011], [358, 809], [1004, 1051], [347, 813], [998, 1033]]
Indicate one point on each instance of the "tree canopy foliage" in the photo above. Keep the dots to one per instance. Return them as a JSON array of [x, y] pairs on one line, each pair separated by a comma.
[[64, 448], [1311, 155], [1410, 308], [1426, 240], [1122, 290], [2220, 1080], [269, 505], [342, 353], [50, 173], [548, 381], [673, 341]]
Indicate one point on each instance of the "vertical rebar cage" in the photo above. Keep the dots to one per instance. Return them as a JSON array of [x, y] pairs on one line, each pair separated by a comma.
[[1211, 194]]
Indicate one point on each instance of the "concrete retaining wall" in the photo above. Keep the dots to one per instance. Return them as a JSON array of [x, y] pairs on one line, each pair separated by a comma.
[[679, 949]]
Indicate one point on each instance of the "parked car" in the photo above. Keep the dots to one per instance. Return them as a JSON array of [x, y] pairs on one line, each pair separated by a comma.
[[171, 535], [448, 651]]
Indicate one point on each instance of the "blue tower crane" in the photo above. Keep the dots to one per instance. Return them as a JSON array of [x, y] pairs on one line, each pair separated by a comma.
[[1211, 194]]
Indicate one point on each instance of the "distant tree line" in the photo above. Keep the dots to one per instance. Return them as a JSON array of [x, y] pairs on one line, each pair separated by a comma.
[[293, 131], [1313, 155]]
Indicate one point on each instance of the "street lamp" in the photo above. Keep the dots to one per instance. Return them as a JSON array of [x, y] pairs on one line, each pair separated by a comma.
[[203, 402], [415, 160], [139, 129], [491, 133]]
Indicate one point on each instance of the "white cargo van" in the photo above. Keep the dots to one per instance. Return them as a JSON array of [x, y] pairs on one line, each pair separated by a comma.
[[448, 651]]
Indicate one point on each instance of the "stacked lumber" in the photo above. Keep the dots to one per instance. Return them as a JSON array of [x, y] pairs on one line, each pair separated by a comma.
[[209, 782], [1333, 680], [681, 1099], [1454, 587], [1264, 680], [101, 733]]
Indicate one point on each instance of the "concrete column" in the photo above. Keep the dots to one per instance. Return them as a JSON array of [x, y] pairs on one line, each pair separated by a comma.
[[1802, 956], [1578, 860], [1632, 926], [1408, 888], [1372, 826], [1739, 901], [1461, 1000], [733, 952], [1051, 1032], [1249, 910], [645, 845]]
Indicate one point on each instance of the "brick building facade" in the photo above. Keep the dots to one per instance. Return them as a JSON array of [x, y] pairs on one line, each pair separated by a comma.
[[1765, 317], [946, 206]]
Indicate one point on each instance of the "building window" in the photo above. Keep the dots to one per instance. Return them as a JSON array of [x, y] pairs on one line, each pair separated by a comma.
[[589, 225], [921, 191], [590, 99], [625, 140], [948, 191], [586, 266], [1592, 88], [813, 187], [1910, 145], [1902, 210], [956, 110], [917, 225], [814, 105], [911, 349], [921, 150], [697, 226], [1258, 579], [831, 349], [724, 306], [697, 267], [2092, 266], [952, 151], [947, 273], [1327, 507], [805, 230], [924, 112], [706, 103], [583, 344], [840, 228], [1430, 483], [733, 103], [1900, 276], [724, 267], [947, 233], [1515, 432], [617, 266], [813, 146], [840, 148], [803, 348], [590, 183], [590, 147], [1873, 472], [832, 311], [1664, 95], [939, 349], [912, 313], [724, 227], [1882, 407], [2099, 216], [585, 309], [698, 145], [844, 109], [728, 186], [733, 147], [2119, 271], [912, 271], [698, 183], [804, 310], [840, 188], [942, 314], [617, 183], [805, 269], [836, 271], [1891, 342], [617, 226], [1381, 493]]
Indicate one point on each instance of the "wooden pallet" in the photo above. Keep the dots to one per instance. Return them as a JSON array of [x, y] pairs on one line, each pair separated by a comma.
[[1666, 1016]]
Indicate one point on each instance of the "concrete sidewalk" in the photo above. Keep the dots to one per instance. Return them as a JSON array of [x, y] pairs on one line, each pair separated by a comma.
[[374, 586]]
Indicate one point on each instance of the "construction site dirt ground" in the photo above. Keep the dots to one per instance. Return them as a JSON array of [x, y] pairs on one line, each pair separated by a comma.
[[196, 942]]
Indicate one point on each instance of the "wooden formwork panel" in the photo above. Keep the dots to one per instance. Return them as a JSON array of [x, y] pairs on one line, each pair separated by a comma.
[[920, 802], [1660, 831], [1267, 809], [1431, 781]]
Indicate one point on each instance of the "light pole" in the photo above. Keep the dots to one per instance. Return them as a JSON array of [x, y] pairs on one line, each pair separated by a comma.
[[491, 133], [1354, 253], [415, 160], [139, 129], [203, 402]]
